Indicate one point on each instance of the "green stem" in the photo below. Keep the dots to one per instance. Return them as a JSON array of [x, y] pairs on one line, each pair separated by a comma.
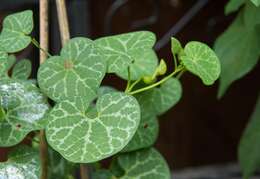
[[129, 80], [180, 74], [133, 85], [157, 83], [175, 61], [36, 43]]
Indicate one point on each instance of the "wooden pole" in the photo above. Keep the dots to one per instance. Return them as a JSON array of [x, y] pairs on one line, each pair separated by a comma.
[[63, 21], [65, 36], [44, 41]]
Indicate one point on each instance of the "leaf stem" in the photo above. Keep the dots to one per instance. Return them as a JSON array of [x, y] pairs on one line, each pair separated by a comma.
[[36, 43], [128, 80], [133, 85], [157, 83], [175, 61]]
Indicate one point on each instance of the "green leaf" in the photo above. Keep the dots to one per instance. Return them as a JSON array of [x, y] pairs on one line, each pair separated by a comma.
[[175, 46], [233, 5], [15, 33], [200, 60], [162, 68], [25, 108], [78, 71], [145, 135], [6, 62], [238, 53], [256, 2], [10, 135], [22, 70], [131, 49], [158, 100], [58, 167], [81, 138], [249, 155], [143, 164], [23, 163], [102, 174], [251, 15]]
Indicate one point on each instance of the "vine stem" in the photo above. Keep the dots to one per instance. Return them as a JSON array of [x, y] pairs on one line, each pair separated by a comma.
[[65, 36], [157, 83], [44, 40]]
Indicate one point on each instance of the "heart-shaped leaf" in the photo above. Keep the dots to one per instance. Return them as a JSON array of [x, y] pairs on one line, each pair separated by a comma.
[[77, 72], [24, 108], [131, 49], [16, 28], [176, 46], [143, 164], [145, 135], [81, 138], [202, 61], [23, 163], [102, 174], [158, 100], [256, 2], [4, 64], [10, 135], [22, 70]]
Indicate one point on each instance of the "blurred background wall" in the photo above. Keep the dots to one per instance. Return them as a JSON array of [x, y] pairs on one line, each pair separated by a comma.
[[201, 129]]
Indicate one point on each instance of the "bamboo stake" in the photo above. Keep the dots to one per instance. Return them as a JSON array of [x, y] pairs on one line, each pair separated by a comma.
[[65, 36], [44, 41], [63, 21]]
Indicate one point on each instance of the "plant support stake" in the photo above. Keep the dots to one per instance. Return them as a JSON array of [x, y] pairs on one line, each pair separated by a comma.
[[44, 40]]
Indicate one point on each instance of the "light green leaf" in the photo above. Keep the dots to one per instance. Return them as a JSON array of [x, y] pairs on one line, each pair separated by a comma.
[[145, 135], [143, 164], [22, 70], [77, 72], [6, 62], [256, 2], [15, 33], [58, 167], [175, 46], [202, 61], [158, 100], [233, 5], [249, 155], [24, 107], [23, 163], [238, 53], [81, 138], [131, 49]]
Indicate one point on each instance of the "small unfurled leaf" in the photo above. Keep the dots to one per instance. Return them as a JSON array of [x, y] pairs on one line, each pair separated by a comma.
[[175, 46], [238, 53], [23, 163], [233, 5], [22, 70], [162, 68], [158, 100], [78, 71], [143, 164], [202, 61], [145, 135], [24, 107], [132, 50], [256, 2], [249, 155], [149, 79], [83, 138], [15, 33]]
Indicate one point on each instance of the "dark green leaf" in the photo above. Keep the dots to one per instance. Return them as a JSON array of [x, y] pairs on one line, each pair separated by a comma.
[[249, 155], [22, 70]]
